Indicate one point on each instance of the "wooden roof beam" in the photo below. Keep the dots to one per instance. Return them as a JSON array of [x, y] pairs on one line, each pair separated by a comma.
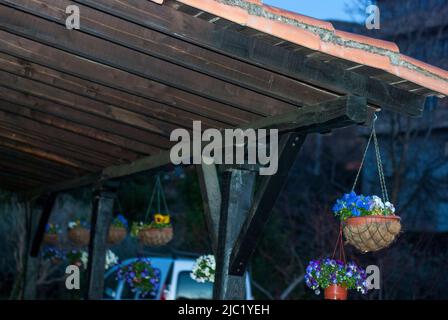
[[329, 115]]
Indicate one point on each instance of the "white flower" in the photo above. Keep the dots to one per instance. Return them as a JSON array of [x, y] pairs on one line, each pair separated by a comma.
[[111, 259], [390, 207], [204, 269], [84, 258], [72, 224], [377, 203]]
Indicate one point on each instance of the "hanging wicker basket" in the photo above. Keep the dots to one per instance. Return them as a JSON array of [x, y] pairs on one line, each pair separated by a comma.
[[155, 237], [116, 235], [79, 236], [51, 239], [371, 233]]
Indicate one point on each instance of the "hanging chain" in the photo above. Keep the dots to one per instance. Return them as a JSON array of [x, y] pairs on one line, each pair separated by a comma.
[[363, 159], [157, 192], [378, 161], [340, 245], [380, 167]]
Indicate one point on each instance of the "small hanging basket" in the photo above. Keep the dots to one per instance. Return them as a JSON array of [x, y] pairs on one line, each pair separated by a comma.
[[369, 223], [160, 231], [51, 239], [371, 233], [335, 292], [116, 235], [155, 237], [79, 236]]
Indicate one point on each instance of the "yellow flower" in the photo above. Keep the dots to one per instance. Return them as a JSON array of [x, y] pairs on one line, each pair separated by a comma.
[[161, 219]]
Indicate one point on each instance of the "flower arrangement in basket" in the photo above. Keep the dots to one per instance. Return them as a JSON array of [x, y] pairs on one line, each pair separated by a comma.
[[204, 269], [335, 277], [368, 223], [156, 233], [141, 277], [51, 236], [117, 230], [159, 231], [79, 232]]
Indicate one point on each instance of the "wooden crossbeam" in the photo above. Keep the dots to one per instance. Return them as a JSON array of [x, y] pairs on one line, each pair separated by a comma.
[[339, 113], [267, 193], [342, 112]]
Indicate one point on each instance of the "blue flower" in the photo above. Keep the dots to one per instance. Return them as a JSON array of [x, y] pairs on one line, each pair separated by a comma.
[[355, 211], [122, 219]]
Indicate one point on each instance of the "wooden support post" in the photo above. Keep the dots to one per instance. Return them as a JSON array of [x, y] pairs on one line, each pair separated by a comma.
[[211, 198], [48, 204], [267, 194], [102, 210], [31, 267], [237, 194]]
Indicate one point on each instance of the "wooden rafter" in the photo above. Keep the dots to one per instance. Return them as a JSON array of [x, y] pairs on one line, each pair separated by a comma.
[[339, 113]]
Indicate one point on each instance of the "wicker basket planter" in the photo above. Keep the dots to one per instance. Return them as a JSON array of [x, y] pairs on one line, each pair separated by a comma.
[[51, 239], [155, 237], [79, 236], [371, 233], [335, 292], [116, 235]]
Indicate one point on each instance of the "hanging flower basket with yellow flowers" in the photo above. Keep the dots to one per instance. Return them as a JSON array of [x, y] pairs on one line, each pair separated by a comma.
[[159, 231], [154, 234]]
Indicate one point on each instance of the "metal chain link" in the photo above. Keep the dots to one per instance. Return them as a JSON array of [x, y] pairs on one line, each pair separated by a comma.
[[362, 161], [157, 191], [378, 161]]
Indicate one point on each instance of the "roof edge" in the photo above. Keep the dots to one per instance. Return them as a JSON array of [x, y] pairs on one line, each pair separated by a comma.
[[321, 36]]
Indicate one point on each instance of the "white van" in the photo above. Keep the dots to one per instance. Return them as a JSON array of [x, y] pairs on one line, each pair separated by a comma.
[[174, 277]]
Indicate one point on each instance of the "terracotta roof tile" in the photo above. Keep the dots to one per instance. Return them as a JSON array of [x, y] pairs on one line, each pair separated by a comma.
[[321, 35]]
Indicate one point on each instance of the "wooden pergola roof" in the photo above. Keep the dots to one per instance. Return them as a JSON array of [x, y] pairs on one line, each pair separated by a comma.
[[100, 102]]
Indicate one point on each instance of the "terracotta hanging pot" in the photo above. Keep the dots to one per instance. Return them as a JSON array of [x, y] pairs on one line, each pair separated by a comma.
[[155, 237], [79, 236], [335, 292], [116, 235], [51, 239], [371, 233]]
